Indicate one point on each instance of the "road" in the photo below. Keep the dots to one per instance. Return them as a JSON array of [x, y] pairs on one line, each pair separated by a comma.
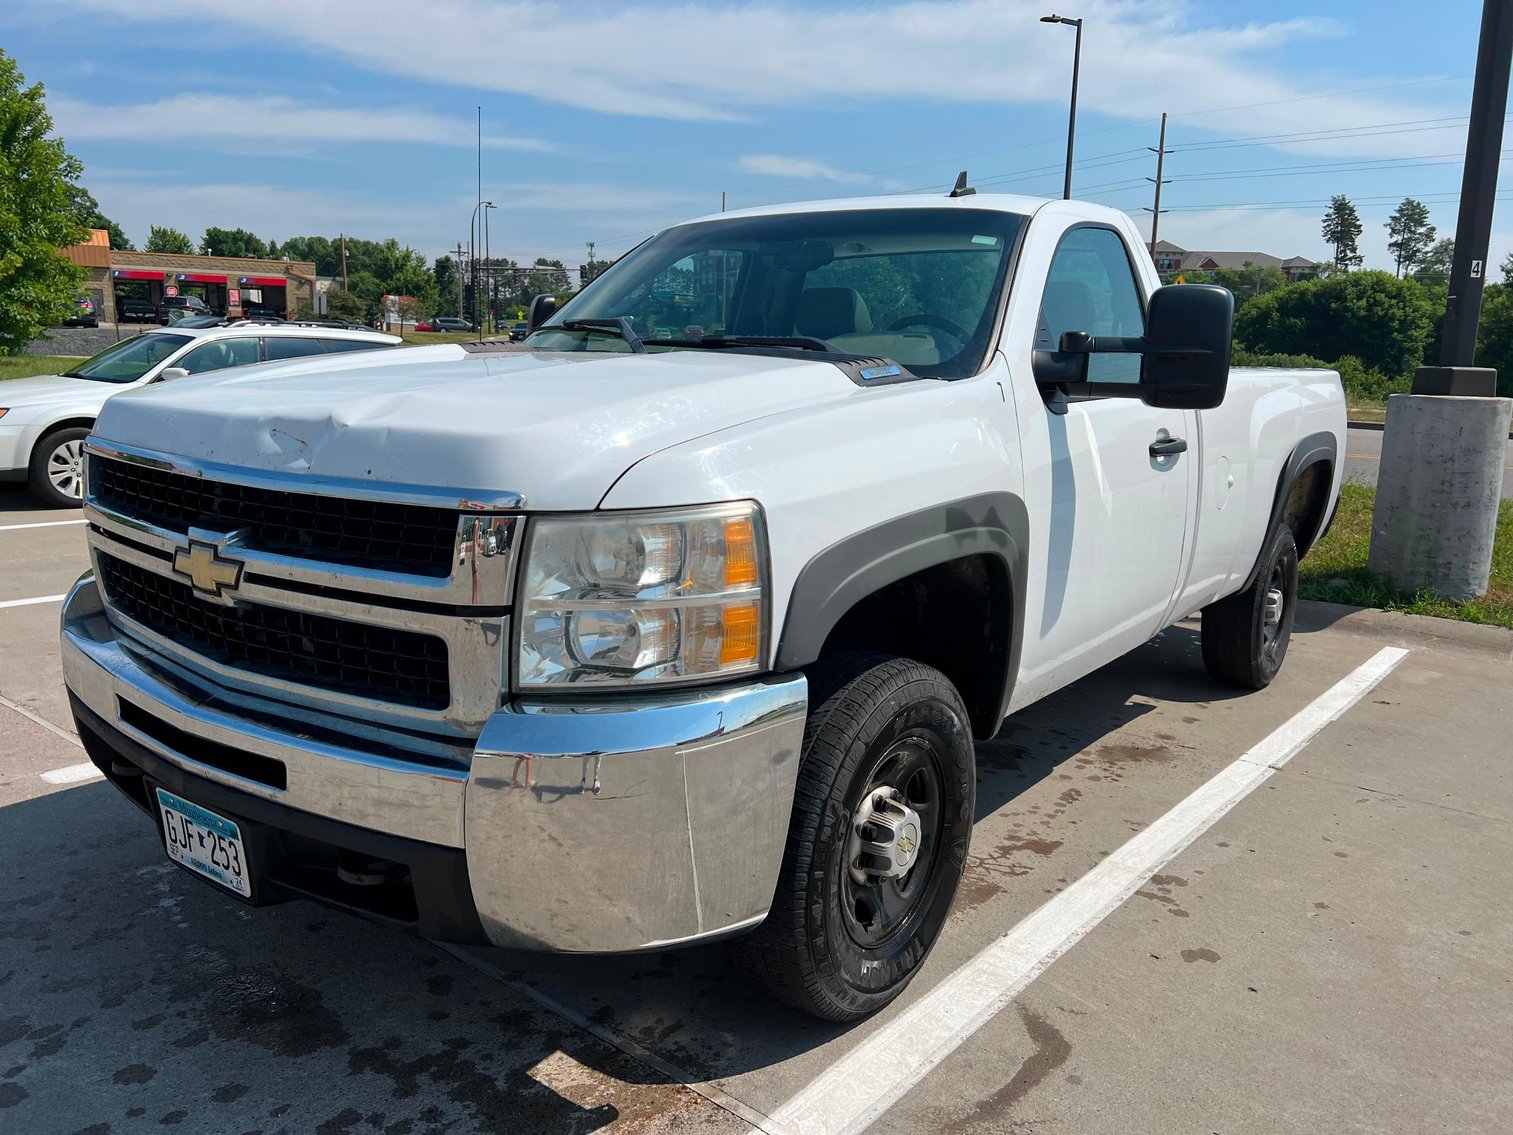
[[1363, 457], [1329, 954]]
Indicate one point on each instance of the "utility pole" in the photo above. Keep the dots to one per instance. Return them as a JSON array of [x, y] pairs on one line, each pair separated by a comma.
[[476, 321], [1161, 152], [344, 263], [722, 200], [1440, 478]]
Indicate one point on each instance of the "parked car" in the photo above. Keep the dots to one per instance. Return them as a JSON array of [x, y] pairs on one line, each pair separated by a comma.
[[176, 307], [690, 639], [83, 314], [44, 420], [519, 331], [425, 325], [451, 323], [134, 309], [262, 313]]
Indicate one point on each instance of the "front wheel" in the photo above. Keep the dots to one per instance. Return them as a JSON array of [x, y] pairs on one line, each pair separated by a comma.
[[882, 819], [1245, 635], [56, 475]]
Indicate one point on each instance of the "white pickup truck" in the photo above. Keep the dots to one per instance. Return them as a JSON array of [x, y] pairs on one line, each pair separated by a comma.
[[679, 625]]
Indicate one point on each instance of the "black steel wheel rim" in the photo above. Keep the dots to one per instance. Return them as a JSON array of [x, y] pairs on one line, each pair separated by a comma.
[[883, 911]]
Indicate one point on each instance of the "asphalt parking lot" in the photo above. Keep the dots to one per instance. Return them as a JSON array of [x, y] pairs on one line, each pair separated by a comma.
[[1185, 911]]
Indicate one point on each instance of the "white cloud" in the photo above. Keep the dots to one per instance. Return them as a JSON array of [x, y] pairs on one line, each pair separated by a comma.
[[712, 61], [272, 124], [799, 169]]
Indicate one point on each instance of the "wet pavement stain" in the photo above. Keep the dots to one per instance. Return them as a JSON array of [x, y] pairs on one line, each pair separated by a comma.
[[1052, 1050], [1202, 954], [11, 1095], [134, 1074], [274, 1012]]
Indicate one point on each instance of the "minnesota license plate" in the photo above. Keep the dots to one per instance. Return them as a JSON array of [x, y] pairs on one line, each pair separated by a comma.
[[207, 844]]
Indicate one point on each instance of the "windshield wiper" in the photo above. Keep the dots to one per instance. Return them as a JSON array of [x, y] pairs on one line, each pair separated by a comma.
[[798, 342], [618, 325]]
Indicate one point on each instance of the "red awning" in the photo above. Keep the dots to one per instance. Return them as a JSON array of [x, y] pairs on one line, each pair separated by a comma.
[[263, 282], [201, 278], [135, 274]]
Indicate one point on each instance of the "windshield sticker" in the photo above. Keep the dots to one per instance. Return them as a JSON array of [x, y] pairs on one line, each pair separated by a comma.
[[984, 240]]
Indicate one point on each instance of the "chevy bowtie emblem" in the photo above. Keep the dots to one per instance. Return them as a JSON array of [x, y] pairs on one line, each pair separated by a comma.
[[206, 568]]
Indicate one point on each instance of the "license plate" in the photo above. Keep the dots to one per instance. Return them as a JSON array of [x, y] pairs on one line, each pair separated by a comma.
[[207, 844]]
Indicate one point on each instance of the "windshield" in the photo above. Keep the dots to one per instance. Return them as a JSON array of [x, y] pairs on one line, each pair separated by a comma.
[[918, 286], [129, 360]]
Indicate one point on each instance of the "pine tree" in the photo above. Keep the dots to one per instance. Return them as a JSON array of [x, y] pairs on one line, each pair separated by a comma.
[[1342, 228], [1409, 234]]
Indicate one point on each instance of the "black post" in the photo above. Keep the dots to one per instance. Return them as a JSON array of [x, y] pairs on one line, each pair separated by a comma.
[[1071, 128], [1161, 152], [1457, 373]]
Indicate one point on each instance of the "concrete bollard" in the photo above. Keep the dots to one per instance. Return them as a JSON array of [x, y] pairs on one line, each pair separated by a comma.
[[1437, 493]]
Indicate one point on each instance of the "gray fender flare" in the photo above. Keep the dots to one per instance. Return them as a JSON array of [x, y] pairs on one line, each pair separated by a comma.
[[992, 525]]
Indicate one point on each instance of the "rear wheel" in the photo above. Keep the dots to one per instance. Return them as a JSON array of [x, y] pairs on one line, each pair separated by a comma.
[[56, 476], [881, 822], [1245, 635]]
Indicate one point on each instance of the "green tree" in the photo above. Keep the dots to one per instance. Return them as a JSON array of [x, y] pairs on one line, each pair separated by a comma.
[[346, 305], [1434, 268], [1246, 282], [448, 281], [37, 284], [1507, 268], [321, 251], [1381, 320], [167, 239], [1342, 228], [233, 242], [1494, 335], [82, 203], [1409, 234]]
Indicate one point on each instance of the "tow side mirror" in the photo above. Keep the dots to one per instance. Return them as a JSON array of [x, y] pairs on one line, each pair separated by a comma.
[[172, 372], [1189, 330], [543, 307], [1184, 353]]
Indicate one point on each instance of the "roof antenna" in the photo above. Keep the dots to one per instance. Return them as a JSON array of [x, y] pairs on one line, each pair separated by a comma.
[[962, 188]]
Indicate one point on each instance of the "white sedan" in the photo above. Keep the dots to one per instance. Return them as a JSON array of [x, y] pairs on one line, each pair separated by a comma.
[[44, 420]]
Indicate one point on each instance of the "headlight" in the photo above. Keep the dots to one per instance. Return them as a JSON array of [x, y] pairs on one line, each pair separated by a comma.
[[630, 599]]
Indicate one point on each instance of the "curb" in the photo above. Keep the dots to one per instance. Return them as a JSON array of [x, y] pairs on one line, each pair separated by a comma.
[[1378, 427], [1403, 628]]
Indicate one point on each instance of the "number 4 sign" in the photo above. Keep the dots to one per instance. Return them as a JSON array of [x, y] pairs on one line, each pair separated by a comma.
[[1476, 269]]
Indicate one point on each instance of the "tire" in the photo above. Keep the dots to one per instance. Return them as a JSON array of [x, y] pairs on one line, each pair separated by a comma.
[[840, 942], [1245, 635], [56, 472]]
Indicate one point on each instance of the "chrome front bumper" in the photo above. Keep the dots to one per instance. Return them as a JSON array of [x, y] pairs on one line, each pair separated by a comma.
[[605, 828]]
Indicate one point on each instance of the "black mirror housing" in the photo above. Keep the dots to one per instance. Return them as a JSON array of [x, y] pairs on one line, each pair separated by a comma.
[[1189, 331], [543, 307]]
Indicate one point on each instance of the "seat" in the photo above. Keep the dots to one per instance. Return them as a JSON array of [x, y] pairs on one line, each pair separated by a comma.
[[1066, 306], [827, 312]]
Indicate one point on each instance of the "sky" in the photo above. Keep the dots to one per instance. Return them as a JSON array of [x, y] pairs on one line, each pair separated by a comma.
[[603, 121]]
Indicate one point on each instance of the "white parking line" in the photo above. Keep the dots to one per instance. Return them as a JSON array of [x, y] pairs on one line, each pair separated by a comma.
[[30, 602], [38, 524], [850, 1094], [72, 774]]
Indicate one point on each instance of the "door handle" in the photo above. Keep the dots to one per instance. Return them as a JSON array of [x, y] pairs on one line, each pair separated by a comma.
[[1168, 446]]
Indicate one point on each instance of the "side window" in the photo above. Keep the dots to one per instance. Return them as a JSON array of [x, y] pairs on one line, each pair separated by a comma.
[[220, 354], [288, 347], [337, 346], [1092, 288]]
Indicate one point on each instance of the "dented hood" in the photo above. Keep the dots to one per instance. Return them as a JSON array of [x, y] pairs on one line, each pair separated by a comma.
[[556, 428]]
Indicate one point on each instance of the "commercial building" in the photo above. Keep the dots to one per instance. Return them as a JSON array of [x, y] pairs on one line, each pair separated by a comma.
[[1170, 257], [228, 285]]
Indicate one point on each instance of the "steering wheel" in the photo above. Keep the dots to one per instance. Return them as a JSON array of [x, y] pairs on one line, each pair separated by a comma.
[[924, 319]]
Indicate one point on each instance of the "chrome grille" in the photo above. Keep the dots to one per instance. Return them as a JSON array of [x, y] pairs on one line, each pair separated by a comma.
[[382, 663], [383, 535]]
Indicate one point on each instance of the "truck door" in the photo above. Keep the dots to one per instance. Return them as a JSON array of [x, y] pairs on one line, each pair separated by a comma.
[[1108, 514]]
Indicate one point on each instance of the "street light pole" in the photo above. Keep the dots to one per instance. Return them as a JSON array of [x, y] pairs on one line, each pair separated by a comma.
[[473, 254], [488, 266], [1071, 126]]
